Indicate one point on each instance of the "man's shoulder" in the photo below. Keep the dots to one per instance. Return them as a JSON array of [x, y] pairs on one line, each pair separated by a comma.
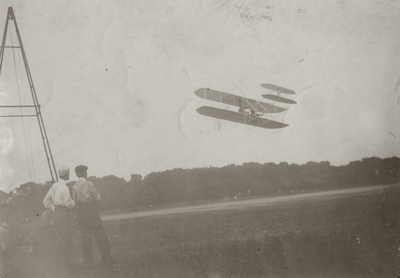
[[83, 183], [55, 185], [88, 183]]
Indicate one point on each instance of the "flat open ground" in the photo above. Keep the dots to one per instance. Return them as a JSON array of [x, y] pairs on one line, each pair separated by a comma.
[[331, 194], [353, 233]]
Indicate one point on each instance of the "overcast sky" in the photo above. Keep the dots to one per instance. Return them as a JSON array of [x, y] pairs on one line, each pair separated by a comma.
[[116, 79]]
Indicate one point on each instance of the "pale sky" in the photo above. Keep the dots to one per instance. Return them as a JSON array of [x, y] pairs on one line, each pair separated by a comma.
[[116, 79]]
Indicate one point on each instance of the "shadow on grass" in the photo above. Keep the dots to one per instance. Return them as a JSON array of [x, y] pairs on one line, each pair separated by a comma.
[[246, 257], [310, 254], [348, 253]]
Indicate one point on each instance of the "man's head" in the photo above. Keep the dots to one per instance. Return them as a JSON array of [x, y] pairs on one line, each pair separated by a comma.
[[81, 171], [63, 173]]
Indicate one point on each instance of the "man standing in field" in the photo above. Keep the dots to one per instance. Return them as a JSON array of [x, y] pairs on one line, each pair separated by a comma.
[[58, 199], [86, 197]]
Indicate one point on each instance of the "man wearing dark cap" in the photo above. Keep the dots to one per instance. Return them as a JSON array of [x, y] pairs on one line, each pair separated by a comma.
[[86, 198], [58, 199]]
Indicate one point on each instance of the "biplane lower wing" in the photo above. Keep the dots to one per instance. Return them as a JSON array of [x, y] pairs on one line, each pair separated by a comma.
[[239, 117], [279, 99], [278, 89], [241, 102]]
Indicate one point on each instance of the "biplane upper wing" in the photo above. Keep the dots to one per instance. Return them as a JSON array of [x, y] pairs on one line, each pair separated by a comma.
[[279, 98], [239, 117], [241, 102], [278, 89]]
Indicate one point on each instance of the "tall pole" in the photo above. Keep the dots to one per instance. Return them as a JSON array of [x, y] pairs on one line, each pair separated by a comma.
[[36, 105], [3, 42]]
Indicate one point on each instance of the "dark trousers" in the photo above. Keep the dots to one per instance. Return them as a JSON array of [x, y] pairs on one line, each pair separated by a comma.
[[92, 228], [63, 229]]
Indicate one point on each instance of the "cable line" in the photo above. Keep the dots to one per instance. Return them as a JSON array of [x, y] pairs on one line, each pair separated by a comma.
[[23, 121]]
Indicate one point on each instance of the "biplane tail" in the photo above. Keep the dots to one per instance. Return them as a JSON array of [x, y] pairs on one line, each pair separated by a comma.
[[279, 99], [278, 89]]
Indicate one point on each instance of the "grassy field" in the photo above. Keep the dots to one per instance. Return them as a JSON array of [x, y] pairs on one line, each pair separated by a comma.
[[352, 236]]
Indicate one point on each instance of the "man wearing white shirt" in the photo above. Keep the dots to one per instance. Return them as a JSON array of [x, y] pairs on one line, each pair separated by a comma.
[[58, 199]]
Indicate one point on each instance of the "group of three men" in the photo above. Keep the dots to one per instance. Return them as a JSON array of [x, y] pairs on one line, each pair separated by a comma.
[[84, 203]]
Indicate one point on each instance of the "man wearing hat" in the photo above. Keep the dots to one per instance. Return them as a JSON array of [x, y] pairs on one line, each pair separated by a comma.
[[58, 199], [86, 197]]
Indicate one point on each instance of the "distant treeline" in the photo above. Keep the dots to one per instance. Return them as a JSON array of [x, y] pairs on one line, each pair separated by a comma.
[[206, 184]]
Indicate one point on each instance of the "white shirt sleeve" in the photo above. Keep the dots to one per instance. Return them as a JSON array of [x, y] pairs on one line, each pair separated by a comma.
[[93, 192], [48, 200], [65, 197]]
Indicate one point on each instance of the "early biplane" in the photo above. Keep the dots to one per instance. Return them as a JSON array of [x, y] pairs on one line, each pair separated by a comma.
[[250, 111]]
